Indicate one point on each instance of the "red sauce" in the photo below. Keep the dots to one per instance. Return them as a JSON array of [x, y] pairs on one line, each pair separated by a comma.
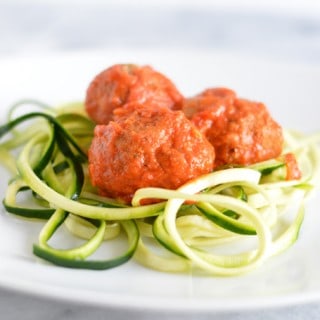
[[293, 171], [148, 148], [143, 141], [242, 131], [123, 83]]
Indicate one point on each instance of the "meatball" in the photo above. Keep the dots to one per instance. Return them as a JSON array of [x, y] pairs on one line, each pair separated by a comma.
[[241, 131], [123, 83], [147, 148]]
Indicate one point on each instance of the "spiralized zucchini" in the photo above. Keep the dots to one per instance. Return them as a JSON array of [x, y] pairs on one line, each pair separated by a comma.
[[224, 223]]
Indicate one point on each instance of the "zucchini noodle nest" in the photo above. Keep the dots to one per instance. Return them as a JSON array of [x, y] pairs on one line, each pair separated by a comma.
[[227, 222]]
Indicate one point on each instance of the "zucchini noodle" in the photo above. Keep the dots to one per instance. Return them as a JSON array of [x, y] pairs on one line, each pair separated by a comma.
[[225, 223]]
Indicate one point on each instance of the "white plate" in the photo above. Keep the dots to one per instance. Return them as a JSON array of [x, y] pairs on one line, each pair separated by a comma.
[[292, 94]]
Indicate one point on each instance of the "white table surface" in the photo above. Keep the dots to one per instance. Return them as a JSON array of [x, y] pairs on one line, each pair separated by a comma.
[[39, 28]]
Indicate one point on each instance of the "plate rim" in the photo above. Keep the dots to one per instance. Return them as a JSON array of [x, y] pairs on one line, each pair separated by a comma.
[[110, 300]]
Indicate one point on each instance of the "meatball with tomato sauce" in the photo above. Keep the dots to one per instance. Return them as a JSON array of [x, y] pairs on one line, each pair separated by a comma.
[[147, 148], [241, 131], [123, 83]]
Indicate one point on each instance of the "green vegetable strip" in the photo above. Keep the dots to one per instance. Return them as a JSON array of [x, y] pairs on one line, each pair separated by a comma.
[[252, 215], [76, 123], [11, 206], [25, 135], [7, 159], [43, 249], [71, 260], [150, 259], [224, 221], [160, 233], [53, 180], [77, 253], [194, 227], [34, 102], [262, 230], [202, 183], [290, 235], [46, 153], [85, 228], [10, 125], [76, 165]]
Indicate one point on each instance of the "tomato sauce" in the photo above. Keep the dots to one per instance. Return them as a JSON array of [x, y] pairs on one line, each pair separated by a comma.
[[149, 135], [123, 83], [148, 148], [242, 131], [293, 171]]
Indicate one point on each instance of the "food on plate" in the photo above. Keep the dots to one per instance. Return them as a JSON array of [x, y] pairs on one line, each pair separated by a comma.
[[123, 83], [241, 131], [148, 148], [206, 183]]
